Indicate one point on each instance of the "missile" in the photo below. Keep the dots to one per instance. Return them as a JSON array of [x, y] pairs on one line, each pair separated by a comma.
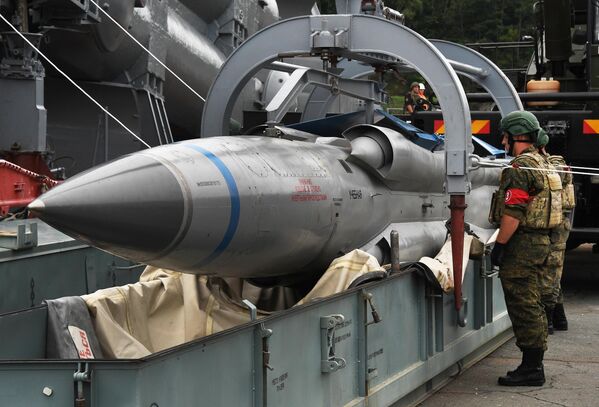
[[261, 207]]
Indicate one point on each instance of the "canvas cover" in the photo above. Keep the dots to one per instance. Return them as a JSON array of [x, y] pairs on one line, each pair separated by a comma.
[[167, 308]]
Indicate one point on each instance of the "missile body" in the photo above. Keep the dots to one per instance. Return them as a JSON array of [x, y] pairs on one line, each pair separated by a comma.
[[249, 207]]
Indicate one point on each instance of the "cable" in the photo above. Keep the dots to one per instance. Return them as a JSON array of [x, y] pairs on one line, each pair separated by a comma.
[[499, 165], [73, 82], [584, 168], [559, 171], [147, 50], [487, 163]]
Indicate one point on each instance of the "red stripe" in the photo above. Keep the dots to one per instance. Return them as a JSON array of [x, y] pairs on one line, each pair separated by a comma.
[[588, 128], [486, 128], [515, 196], [437, 124]]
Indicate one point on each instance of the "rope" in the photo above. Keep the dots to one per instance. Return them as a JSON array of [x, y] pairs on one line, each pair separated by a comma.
[[42, 178], [73, 82], [584, 168], [559, 171], [500, 165], [147, 50]]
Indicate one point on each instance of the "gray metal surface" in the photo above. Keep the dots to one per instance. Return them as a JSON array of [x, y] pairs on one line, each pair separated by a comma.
[[320, 100], [311, 34], [172, 33], [386, 362], [49, 239], [302, 77], [26, 129], [23, 334], [22, 94], [193, 39], [58, 266], [292, 8]]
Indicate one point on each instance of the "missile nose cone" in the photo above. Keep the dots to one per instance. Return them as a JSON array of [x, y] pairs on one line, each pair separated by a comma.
[[369, 151], [134, 207], [36, 206]]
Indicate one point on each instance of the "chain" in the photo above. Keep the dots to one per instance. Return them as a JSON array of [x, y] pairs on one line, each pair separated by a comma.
[[48, 182]]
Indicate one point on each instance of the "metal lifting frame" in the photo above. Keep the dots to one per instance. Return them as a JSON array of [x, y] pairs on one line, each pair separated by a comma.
[[301, 77], [353, 37], [482, 71], [465, 61], [348, 36]]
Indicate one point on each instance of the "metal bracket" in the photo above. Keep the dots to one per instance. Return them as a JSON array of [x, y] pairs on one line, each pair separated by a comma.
[[81, 375], [487, 270], [263, 333], [20, 240], [375, 315], [329, 361], [252, 308], [301, 77], [330, 31]]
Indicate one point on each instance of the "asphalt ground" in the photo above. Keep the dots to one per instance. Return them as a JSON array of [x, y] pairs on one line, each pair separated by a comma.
[[571, 362]]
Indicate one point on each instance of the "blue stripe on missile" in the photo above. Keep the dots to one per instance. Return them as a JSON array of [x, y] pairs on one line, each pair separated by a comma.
[[235, 203]]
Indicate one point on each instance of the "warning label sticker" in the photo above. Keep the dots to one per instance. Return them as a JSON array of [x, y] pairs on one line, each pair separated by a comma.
[[306, 191], [81, 342]]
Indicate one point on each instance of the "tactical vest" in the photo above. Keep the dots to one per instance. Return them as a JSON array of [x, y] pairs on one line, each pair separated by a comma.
[[544, 210], [568, 196]]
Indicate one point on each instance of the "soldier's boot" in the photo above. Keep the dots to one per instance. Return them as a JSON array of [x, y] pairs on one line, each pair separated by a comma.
[[526, 361], [559, 318], [549, 313], [529, 373]]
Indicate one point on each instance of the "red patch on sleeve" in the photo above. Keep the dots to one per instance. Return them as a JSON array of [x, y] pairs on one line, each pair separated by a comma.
[[515, 196]]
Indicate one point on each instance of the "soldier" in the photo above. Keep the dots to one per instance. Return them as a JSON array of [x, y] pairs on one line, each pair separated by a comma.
[[552, 297], [415, 99], [526, 207]]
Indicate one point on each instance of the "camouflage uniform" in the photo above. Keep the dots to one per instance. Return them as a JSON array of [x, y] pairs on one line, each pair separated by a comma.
[[559, 237], [525, 254]]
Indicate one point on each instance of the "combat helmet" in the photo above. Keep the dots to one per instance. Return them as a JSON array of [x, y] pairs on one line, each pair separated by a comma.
[[542, 139], [520, 123]]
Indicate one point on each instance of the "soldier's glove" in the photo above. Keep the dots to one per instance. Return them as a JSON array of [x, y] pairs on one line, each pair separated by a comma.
[[497, 254]]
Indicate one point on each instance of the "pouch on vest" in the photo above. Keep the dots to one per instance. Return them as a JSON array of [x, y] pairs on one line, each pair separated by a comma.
[[568, 195], [568, 198], [497, 207], [544, 211], [497, 204], [555, 185]]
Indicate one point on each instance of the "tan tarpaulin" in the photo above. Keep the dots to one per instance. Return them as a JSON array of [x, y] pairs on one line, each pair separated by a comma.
[[165, 308], [442, 265]]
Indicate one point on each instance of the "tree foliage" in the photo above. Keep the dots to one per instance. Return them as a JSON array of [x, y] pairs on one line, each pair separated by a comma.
[[462, 21]]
